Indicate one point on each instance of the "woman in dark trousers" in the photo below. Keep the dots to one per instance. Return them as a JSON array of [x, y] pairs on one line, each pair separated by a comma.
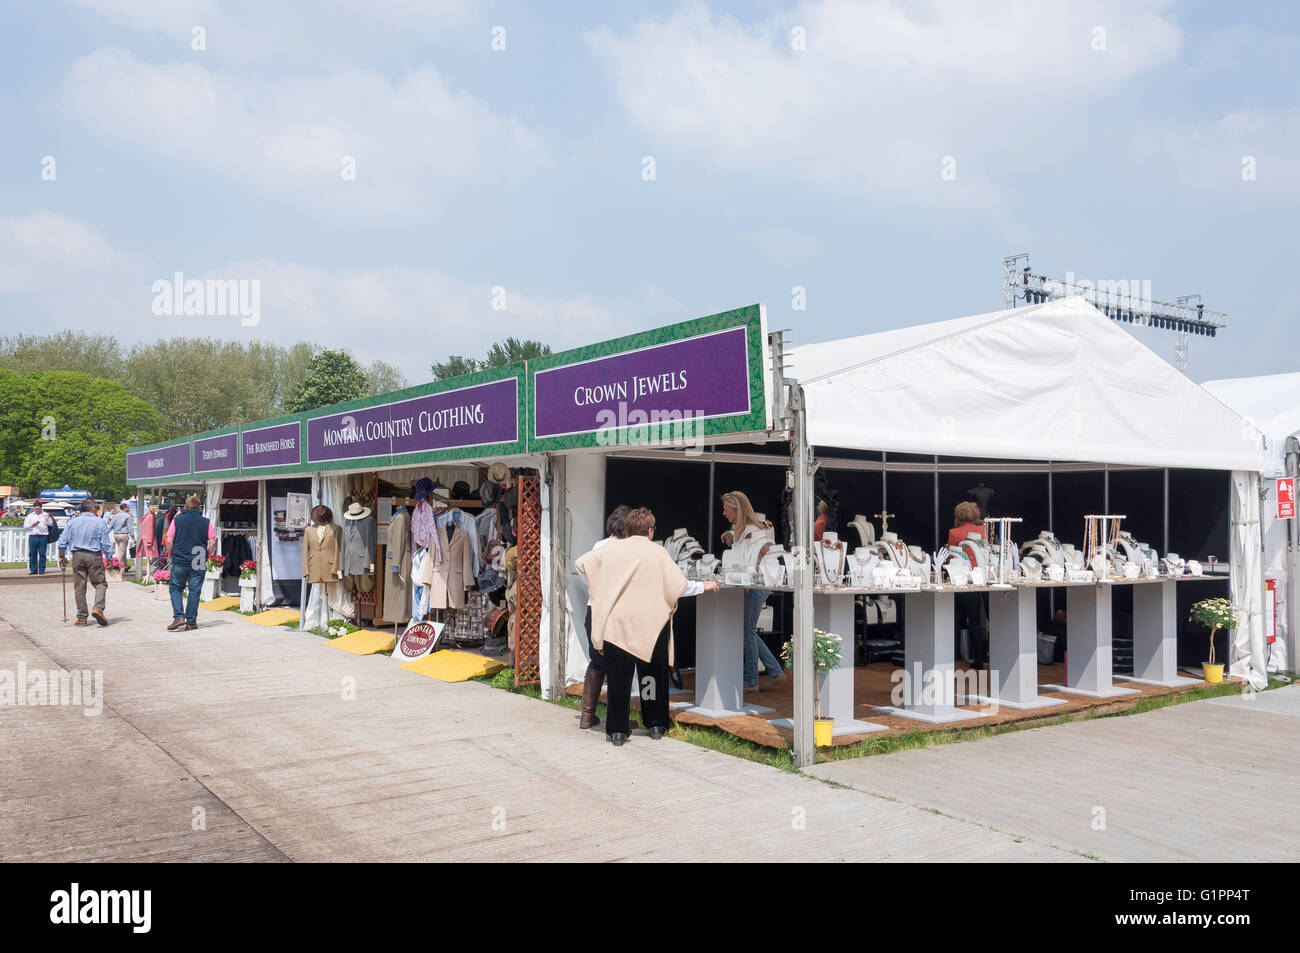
[[968, 607], [595, 677]]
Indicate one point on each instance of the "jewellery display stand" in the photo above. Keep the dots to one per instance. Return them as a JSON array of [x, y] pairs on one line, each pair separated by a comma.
[[719, 657], [1089, 669], [1013, 651], [1155, 635], [997, 531], [929, 692], [833, 612]]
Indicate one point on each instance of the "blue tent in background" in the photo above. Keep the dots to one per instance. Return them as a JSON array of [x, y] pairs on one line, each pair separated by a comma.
[[66, 495]]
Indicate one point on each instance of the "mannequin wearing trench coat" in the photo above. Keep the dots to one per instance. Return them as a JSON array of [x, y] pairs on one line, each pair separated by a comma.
[[447, 579], [397, 570]]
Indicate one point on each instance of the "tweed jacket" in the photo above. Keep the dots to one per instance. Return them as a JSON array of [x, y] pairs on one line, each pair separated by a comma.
[[322, 559]]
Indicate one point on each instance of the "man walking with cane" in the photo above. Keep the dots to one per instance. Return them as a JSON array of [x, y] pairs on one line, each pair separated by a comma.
[[88, 543]]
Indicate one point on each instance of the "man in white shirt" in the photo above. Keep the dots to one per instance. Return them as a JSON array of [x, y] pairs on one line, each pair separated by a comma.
[[38, 525], [121, 527]]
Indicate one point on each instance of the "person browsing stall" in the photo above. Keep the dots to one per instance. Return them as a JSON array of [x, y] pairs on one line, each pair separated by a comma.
[[753, 537]]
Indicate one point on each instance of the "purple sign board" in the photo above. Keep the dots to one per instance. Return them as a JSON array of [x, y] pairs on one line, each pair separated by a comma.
[[277, 445], [171, 461], [472, 416], [684, 380], [215, 454]]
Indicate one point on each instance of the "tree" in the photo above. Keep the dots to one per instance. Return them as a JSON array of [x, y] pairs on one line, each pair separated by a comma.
[[382, 377], [91, 423], [509, 351], [333, 377], [96, 354], [454, 366], [19, 429], [514, 351]]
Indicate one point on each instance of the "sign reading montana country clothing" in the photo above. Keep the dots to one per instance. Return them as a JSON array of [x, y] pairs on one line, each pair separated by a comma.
[[434, 421], [700, 378], [217, 454], [166, 461], [276, 445]]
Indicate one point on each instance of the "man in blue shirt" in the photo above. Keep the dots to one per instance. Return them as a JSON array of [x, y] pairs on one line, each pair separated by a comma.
[[121, 527], [88, 543]]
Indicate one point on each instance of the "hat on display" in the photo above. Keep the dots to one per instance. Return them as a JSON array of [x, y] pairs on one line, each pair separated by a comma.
[[356, 512], [512, 559], [460, 490], [441, 496], [423, 488], [489, 493], [498, 472], [511, 497]]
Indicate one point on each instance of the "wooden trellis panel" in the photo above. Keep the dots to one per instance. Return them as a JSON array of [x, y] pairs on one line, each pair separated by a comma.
[[528, 587]]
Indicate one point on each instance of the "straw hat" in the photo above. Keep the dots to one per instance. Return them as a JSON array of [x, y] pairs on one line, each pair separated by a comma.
[[498, 472]]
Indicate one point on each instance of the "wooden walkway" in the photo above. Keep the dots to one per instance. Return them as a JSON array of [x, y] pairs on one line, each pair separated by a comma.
[[250, 731], [1208, 780]]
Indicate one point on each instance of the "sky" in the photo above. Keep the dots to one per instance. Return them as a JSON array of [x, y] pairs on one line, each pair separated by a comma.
[[411, 179]]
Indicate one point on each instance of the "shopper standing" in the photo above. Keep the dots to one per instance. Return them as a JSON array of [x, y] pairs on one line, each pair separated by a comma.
[[37, 524], [635, 586], [121, 527], [191, 539], [969, 608], [595, 677], [86, 539], [752, 537]]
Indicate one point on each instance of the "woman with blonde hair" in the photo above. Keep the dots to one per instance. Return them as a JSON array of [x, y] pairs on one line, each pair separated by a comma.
[[751, 537]]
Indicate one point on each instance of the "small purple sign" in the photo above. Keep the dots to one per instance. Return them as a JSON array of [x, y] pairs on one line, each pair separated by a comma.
[[212, 454], [473, 416], [703, 376], [278, 445], [163, 462]]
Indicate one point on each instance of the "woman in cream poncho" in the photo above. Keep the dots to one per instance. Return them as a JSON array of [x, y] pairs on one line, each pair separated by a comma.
[[634, 587]]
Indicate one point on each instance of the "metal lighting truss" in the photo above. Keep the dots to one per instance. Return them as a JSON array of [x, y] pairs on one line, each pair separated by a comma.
[[1185, 317]]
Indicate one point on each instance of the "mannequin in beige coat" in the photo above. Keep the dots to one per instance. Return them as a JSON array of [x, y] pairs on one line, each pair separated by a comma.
[[322, 548], [448, 579]]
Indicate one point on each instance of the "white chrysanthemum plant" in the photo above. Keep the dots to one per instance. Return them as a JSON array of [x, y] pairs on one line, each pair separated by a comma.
[[1215, 614], [826, 658]]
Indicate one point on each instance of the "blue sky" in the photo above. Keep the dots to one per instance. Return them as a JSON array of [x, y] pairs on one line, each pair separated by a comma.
[[794, 144]]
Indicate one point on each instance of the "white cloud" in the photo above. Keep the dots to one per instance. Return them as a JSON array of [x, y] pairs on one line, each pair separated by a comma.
[[57, 273], [283, 31], [1210, 157], [412, 139], [884, 89]]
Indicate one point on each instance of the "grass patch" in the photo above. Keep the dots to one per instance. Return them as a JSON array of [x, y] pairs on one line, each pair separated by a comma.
[[912, 740], [13, 565], [291, 624]]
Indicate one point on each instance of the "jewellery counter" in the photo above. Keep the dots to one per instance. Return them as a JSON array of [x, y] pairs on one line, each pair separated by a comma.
[[929, 682]]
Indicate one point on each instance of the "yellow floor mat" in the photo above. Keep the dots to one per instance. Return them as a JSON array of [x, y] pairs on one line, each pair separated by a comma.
[[274, 617], [363, 642], [220, 604], [451, 666]]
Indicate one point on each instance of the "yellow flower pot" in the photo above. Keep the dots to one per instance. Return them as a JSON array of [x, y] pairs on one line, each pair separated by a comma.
[[822, 731], [1213, 673]]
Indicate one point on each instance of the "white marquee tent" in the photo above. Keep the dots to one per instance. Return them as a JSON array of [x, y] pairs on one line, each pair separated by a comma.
[[1271, 402], [1057, 381]]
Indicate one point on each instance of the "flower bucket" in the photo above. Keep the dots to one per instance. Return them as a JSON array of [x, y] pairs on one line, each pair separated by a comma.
[[1213, 673], [822, 731], [160, 591], [112, 575], [247, 592]]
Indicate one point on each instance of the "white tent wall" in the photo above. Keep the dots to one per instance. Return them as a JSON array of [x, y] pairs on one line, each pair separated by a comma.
[[547, 566], [265, 587], [1056, 381], [585, 503], [1247, 656]]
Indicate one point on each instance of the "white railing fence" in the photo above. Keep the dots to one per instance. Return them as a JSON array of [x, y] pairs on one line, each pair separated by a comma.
[[13, 544]]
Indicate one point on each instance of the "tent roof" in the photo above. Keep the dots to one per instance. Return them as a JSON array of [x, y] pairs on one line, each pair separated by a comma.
[[1270, 402], [1055, 381]]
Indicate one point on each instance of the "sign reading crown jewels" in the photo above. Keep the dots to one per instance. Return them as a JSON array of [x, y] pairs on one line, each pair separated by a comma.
[[672, 385]]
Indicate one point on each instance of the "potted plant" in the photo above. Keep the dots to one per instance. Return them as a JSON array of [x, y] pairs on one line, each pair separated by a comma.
[[826, 658], [161, 579], [212, 577], [1214, 614], [247, 585], [113, 569]]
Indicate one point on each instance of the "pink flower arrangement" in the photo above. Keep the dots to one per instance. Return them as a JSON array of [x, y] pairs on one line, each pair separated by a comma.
[[162, 575]]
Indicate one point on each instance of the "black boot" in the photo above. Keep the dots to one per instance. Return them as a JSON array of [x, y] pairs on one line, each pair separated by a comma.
[[590, 695]]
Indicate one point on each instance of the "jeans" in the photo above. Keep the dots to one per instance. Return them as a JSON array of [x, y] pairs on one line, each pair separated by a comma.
[[36, 546], [755, 648], [182, 573]]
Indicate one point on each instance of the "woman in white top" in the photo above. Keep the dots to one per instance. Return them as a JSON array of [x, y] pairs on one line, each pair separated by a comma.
[[752, 537]]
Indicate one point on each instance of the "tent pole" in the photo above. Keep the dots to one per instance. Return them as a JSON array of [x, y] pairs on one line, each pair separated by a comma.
[[802, 468], [1292, 563]]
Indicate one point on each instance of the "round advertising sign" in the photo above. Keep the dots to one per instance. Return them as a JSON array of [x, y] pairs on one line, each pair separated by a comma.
[[417, 641]]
